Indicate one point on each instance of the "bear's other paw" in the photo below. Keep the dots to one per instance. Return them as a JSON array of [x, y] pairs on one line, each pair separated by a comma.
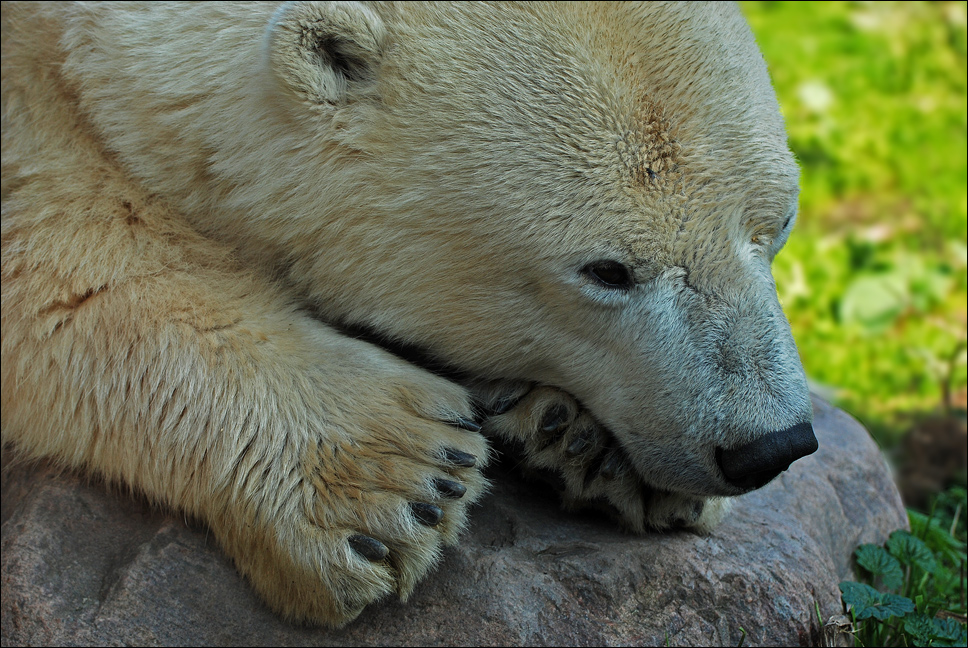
[[558, 442]]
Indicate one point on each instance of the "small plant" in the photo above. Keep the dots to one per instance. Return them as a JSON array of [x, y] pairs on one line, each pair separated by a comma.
[[914, 594]]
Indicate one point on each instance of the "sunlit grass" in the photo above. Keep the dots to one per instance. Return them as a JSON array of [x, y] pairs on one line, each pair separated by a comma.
[[874, 279]]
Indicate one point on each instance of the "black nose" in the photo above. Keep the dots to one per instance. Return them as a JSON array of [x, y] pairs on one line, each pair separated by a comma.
[[755, 464]]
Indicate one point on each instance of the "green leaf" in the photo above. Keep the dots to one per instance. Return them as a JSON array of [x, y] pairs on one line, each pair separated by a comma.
[[938, 539], [926, 631], [920, 628], [866, 602], [874, 301], [929, 289], [911, 551], [951, 630], [878, 562]]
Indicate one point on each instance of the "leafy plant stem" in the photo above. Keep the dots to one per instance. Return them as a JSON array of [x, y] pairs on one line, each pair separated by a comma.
[[949, 378]]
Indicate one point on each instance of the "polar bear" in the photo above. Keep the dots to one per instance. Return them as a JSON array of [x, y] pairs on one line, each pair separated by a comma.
[[284, 268]]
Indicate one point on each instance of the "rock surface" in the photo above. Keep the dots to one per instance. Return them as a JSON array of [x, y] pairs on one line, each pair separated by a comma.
[[82, 566]]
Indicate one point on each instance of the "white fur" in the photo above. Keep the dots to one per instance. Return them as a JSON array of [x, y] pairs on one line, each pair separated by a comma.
[[183, 182]]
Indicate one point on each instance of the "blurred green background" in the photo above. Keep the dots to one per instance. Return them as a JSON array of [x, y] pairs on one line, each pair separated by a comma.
[[874, 278]]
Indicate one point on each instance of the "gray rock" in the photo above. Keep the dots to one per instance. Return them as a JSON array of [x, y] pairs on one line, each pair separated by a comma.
[[83, 566]]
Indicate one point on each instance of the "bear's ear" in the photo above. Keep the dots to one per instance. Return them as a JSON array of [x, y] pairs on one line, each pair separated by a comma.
[[323, 51]]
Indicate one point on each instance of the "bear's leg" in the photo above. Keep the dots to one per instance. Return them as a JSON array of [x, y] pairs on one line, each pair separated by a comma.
[[331, 471], [557, 441]]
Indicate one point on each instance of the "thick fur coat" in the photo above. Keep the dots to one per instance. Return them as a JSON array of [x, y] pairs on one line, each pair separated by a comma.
[[574, 207]]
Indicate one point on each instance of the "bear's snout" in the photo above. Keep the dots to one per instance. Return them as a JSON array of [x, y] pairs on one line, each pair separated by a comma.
[[755, 464]]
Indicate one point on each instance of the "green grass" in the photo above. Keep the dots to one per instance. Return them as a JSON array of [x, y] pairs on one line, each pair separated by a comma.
[[874, 279], [913, 587]]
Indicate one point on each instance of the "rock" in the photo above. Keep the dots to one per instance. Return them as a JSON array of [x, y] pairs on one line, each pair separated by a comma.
[[83, 566]]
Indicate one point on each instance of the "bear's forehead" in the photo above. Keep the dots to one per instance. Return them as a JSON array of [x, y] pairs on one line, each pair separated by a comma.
[[669, 99]]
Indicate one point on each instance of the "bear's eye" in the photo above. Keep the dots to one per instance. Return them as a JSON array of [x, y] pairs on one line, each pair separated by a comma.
[[610, 274]]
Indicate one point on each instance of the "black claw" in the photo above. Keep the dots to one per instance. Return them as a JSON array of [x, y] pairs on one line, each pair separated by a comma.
[[555, 418], [580, 444], [427, 514], [553, 439], [467, 424], [459, 458], [370, 548], [612, 465], [697, 509], [690, 518], [450, 489], [594, 468]]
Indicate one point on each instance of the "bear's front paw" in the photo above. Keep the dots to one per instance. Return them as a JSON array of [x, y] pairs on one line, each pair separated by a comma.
[[360, 510], [558, 442]]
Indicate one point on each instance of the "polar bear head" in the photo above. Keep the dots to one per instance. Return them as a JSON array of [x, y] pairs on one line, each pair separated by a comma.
[[588, 196]]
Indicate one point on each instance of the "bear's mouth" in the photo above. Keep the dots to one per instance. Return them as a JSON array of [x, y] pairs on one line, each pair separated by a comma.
[[744, 468]]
